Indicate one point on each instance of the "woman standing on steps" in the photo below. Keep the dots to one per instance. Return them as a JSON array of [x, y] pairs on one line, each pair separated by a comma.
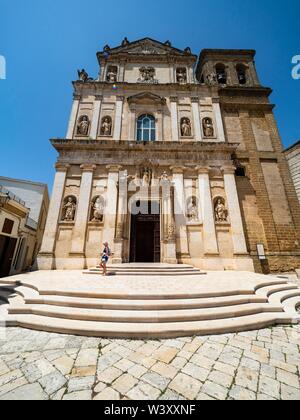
[[105, 257]]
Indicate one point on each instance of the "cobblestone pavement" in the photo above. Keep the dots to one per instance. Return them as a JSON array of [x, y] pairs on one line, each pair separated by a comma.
[[261, 365]]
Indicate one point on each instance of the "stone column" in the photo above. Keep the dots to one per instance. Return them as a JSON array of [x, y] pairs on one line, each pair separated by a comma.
[[96, 116], [110, 214], [180, 211], [169, 229], [219, 120], [207, 210], [238, 235], [118, 118], [196, 114], [132, 124], [159, 131], [46, 259], [121, 218], [73, 117], [82, 217], [174, 118]]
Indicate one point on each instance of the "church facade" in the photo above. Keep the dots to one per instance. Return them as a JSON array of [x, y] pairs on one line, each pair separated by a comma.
[[172, 158]]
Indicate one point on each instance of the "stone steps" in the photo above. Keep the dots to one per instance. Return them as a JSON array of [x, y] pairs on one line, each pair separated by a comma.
[[148, 269], [165, 316], [139, 305], [149, 330]]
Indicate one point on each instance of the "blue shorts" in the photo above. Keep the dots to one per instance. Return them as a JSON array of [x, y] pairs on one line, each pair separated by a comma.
[[104, 259]]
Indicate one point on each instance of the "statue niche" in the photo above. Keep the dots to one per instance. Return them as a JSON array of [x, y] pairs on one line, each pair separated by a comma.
[[106, 126], [192, 210], [83, 126], [221, 212], [186, 127], [69, 209], [208, 127], [181, 76], [112, 73], [97, 209]]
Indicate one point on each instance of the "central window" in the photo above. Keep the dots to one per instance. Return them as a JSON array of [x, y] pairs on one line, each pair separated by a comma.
[[146, 128]]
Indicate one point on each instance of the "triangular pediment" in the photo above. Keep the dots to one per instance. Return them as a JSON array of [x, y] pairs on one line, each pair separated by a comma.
[[146, 47], [146, 97]]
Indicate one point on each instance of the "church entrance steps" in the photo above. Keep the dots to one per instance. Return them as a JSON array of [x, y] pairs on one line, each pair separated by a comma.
[[143, 307], [146, 269], [146, 331]]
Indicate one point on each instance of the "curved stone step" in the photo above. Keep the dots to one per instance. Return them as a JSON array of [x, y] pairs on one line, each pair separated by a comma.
[[279, 298], [166, 316], [139, 305], [269, 290], [153, 331]]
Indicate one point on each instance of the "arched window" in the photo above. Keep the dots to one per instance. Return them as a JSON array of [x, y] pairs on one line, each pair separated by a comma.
[[146, 128], [221, 74], [241, 74]]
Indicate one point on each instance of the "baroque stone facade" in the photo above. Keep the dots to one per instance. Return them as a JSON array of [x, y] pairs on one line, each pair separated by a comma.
[[293, 157], [172, 158]]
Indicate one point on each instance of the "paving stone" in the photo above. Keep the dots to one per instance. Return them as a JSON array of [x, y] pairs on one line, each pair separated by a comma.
[[264, 397], [196, 372], [10, 376], [58, 396], [214, 390], [165, 354], [289, 393], [143, 392], [78, 396], [222, 367], [64, 364], [204, 397], [109, 375], [80, 372], [87, 357], [269, 371], [269, 387], [108, 360], [247, 378], [202, 361], [100, 387], [171, 396], [52, 382], [221, 378], [10, 386], [37, 370], [137, 371], [124, 384], [80, 384], [288, 378], [29, 392], [179, 362], [165, 370], [156, 380], [186, 386], [284, 366], [250, 364], [241, 394]]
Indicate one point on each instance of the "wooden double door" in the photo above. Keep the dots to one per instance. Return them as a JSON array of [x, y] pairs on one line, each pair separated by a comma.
[[7, 250]]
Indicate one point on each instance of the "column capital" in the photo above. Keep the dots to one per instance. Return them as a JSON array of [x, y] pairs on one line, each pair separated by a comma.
[[178, 169], [203, 170], [76, 97], [195, 99], [88, 167], [62, 167], [120, 98], [113, 168], [228, 170], [98, 97], [215, 100], [174, 98]]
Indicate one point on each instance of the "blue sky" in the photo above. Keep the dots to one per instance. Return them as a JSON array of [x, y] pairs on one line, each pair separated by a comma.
[[45, 42]]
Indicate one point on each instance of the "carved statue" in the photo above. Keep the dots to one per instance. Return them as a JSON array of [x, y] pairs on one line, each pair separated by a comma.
[[83, 76], [111, 76], [186, 128], [188, 50], [164, 177], [181, 76], [70, 209], [192, 211], [221, 212], [97, 210], [125, 42], [208, 127], [83, 126], [106, 126], [146, 178], [211, 79], [147, 75], [171, 232]]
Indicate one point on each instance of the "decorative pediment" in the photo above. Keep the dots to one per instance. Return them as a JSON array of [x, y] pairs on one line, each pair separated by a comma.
[[146, 98], [146, 47]]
